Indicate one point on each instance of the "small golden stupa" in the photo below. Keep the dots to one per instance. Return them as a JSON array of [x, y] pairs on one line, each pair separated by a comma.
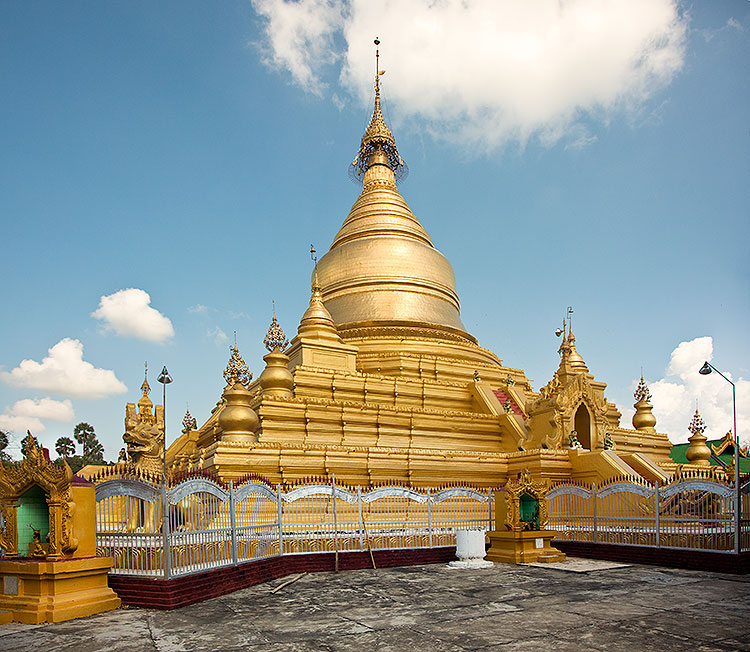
[[698, 452], [382, 381]]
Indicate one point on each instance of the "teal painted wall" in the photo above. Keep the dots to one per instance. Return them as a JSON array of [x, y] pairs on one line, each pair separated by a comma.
[[32, 508]]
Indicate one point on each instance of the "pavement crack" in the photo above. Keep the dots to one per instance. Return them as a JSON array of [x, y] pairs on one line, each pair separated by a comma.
[[151, 635]]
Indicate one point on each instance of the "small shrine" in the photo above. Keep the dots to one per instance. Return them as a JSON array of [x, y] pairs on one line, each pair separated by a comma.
[[520, 534], [50, 571]]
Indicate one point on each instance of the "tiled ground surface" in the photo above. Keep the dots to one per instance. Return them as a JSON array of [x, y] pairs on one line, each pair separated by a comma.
[[433, 608]]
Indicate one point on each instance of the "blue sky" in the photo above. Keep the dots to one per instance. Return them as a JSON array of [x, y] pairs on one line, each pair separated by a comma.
[[194, 151]]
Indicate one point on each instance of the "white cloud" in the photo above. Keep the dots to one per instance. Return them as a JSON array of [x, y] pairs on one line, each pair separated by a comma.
[[20, 424], [128, 312], [217, 335], [675, 395], [65, 372], [484, 72], [45, 408], [300, 36], [198, 308], [27, 413]]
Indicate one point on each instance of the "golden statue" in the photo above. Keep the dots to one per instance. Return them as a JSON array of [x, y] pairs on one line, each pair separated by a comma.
[[144, 432]]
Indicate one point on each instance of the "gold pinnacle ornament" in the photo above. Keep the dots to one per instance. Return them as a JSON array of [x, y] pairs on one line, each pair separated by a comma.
[[697, 425], [378, 137], [145, 387], [236, 370], [188, 422], [275, 338], [641, 392]]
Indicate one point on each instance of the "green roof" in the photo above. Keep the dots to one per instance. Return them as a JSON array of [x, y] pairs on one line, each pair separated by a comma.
[[677, 454]]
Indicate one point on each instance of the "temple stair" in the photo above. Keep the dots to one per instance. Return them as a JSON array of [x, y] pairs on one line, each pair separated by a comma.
[[602, 466], [493, 401], [645, 468]]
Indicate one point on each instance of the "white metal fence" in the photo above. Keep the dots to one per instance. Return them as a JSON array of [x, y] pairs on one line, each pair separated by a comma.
[[689, 513], [207, 525]]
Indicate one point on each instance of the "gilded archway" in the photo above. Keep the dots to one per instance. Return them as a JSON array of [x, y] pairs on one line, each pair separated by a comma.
[[36, 469]]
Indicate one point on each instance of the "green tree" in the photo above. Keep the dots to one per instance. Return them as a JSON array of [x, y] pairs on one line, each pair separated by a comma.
[[65, 447], [93, 451], [4, 441]]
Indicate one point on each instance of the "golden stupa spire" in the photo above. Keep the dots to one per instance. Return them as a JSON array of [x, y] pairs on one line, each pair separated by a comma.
[[574, 358], [641, 392], [378, 144], [236, 369], [275, 338], [145, 404], [570, 360], [643, 419], [188, 422], [698, 453], [316, 314], [382, 269], [145, 387]]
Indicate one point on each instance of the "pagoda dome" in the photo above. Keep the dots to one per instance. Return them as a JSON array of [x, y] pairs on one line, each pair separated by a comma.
[[382, 268]]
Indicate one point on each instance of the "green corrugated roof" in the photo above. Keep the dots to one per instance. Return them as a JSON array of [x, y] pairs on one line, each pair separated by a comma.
[[677, 454]]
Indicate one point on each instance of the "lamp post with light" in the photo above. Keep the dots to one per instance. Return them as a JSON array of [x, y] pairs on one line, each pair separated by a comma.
[[705, 370], [164, 378]]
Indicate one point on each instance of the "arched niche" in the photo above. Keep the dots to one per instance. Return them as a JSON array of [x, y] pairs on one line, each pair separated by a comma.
[[582, 425], [31, 510]]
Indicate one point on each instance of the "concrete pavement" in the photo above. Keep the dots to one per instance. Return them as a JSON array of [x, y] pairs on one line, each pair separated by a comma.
[[577, 605]]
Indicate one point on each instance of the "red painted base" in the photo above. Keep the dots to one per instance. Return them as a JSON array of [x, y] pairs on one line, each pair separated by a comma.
[[705, 560], [180, 591]]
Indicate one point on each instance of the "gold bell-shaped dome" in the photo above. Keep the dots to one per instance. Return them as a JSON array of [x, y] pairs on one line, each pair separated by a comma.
[[382, 268], [237, 420]]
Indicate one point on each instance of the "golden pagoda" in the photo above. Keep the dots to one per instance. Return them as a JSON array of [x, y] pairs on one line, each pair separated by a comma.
[[382, 382]]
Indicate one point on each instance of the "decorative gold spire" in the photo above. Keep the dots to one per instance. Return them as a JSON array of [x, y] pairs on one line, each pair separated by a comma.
[[145, 387], [641, 392], [275, 338], [188, 422], [144, 403], [697, 425], [378, 144], [382, 269], [574, 358], [316, 313], [236, 370], [643, 419]]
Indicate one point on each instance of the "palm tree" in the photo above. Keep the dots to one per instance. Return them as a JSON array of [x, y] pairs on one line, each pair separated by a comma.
[[65, 447]]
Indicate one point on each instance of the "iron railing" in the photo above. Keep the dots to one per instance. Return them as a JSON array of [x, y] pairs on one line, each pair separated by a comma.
[[201, 523], [692, 513]]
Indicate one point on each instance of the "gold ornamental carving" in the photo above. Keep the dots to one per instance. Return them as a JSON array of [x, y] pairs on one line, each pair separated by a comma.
[[16, 478], [236, 370], [144, 432], [275, 340], [515, 490]]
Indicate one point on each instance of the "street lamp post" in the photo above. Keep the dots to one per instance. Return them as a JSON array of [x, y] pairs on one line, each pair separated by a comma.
[[705, 370], [164, 378]]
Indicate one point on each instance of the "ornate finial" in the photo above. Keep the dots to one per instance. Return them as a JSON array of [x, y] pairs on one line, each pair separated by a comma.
[[378, 138], [145, 387], [236, 370], [697, 425], [188, 422], [641, 392], [314, 255], [275, 338]]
